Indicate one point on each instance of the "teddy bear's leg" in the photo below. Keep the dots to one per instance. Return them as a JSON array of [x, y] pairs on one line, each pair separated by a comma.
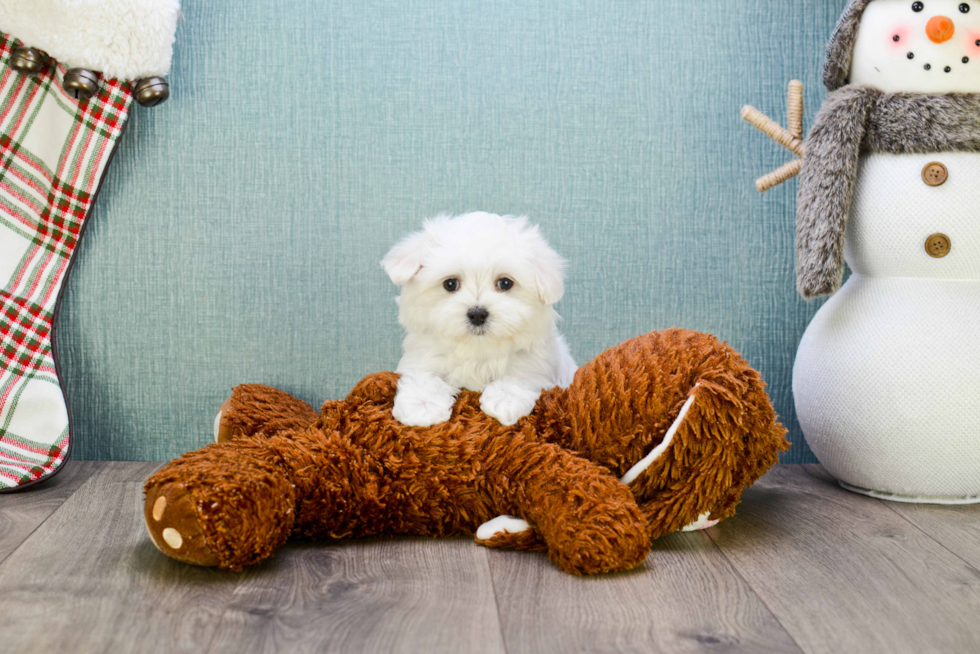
[[586, 517], [717, 449], [253, 409], [704, 520], [232, 504], [680, 416], [226, 505], [661, 448]]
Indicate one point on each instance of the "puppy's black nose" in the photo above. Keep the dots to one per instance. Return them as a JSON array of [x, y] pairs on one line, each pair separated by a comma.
[[477, 316]]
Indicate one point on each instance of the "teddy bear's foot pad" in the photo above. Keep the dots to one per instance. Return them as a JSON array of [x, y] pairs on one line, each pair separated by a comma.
[[174, 528], [508, 533], [504, 524], [704, 521], [223, 432]]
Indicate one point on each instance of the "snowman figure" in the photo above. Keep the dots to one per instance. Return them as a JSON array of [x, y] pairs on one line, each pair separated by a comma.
[[887, 376]]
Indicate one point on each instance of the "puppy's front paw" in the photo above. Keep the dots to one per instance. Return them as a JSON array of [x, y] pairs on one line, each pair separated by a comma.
[[421, 407], [420, 413], [508, 403]]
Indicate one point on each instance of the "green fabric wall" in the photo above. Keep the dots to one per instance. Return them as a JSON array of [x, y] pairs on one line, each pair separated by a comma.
[[238, 234]]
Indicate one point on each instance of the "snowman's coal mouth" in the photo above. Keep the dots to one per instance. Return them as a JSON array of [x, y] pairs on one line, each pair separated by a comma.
[[946, 69]]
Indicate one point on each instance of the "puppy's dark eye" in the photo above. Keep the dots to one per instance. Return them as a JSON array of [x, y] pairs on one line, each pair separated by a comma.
[[964, 8], [451, 284], [505, 284], [917, 6]]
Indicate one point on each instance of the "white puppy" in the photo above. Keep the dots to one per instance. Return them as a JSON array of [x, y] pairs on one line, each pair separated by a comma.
[[477, 306]]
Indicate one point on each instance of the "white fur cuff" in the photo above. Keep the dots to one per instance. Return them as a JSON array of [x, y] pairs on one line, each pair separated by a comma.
[[122, 39]]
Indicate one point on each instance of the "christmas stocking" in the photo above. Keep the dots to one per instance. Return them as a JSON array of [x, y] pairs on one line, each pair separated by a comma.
[[69, 73]]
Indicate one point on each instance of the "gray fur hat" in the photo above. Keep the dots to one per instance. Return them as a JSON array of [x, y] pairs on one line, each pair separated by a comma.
[[837, 65]]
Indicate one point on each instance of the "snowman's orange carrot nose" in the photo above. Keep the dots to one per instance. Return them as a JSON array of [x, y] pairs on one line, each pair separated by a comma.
[[940, 29]]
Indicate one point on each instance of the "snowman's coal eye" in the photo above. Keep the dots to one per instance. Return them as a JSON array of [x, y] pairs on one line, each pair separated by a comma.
[[917, 6], [964, 8]]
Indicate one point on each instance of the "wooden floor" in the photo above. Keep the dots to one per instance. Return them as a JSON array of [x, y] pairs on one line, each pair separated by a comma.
[[804, 567]]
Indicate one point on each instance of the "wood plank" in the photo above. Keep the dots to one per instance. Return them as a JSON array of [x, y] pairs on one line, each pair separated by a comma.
[[686, 598], [957, 528], [24, 511], [90, 580], [803, 562], [387, 595], [844, 573]]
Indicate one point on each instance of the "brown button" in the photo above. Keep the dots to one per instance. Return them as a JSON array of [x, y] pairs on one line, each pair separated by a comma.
[[935, 174], [938, 246]]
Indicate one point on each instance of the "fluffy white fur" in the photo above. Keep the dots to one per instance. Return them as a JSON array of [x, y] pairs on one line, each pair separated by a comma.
[[122, 39], [515, 354]]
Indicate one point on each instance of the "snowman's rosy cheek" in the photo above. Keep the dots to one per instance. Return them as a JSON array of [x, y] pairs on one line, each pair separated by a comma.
[[898, 37]]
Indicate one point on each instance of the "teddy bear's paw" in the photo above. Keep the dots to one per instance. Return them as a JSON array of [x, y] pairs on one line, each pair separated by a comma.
[[223, 432], [508, 403], [503, 524], [508, 533], [217, 427], [704, 521], [174, 527]]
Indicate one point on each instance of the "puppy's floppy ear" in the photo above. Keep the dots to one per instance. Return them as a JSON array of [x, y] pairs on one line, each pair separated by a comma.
[[548, 266], [549, 275], [405, 259]]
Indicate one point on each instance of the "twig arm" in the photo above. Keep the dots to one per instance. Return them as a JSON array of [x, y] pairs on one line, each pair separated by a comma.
[[791, 138], [795, 112], [782, 174], [772, 129]]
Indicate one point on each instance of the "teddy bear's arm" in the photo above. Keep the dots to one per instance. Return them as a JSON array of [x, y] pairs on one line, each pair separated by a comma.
[[255, 409], [588, 520]]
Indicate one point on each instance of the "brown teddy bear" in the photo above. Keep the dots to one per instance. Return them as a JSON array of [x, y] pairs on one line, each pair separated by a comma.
[[651, 436]]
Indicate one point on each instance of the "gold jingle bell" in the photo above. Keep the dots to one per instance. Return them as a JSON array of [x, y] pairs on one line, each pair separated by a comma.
[[81, 84], [27, 60], [151, 91]]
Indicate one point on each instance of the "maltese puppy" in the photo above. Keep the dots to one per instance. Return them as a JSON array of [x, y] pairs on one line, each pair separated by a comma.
[[477, 296]]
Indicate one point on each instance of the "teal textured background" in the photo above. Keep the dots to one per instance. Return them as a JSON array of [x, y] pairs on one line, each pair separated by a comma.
[[238, 234]]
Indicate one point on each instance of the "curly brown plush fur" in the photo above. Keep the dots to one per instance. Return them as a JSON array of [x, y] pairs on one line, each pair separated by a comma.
[[353, 471]]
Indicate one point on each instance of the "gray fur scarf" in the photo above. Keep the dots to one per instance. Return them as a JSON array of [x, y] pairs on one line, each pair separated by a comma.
[[858, 119]]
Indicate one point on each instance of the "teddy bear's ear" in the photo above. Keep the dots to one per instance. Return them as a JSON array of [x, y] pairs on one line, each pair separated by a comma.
[[548, 265], [405, 259]]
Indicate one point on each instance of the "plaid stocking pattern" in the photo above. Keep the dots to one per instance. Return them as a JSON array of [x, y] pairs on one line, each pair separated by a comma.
[[53, 153]]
